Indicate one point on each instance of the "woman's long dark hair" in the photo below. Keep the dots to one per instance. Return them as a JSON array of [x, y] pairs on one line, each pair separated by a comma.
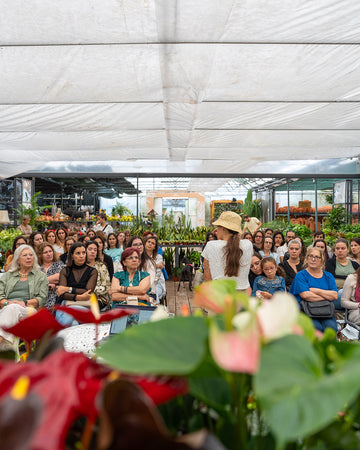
[[233, 254]]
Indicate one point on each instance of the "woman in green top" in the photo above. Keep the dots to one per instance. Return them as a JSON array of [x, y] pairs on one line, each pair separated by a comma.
[[113, 249], [23, 286], [131, 281]]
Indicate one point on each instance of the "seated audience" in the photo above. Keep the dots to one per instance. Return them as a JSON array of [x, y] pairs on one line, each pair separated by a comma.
[[35, 239], [355, 249], [269, 249], [294, 263], [131, 281], [273, 281], [103, 280], [100, 238], [19, 240], [21, 287], [314, 284], [51, 265], [340, 266], [76, 283], [350, 298], [255, 268]]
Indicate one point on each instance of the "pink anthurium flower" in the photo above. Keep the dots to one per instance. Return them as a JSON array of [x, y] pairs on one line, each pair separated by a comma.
[[234, 351], [218, 296]]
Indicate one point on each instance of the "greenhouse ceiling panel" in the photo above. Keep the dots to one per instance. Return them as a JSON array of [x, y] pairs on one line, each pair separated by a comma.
[[180, 88]]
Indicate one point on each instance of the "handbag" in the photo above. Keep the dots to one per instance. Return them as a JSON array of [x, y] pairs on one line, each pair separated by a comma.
[[318, 310]]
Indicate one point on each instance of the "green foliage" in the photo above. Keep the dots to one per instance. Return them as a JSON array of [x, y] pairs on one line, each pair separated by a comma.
[[292, 401], [302, 387], [33, 210], [253, 208], [120, 210], [219, 208], [7, 238], [195, 257], [329, 198], [336, 218], [167, 347]]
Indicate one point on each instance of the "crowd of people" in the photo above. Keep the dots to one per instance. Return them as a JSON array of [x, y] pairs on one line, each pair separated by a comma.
[[63, 267], [322, 279]]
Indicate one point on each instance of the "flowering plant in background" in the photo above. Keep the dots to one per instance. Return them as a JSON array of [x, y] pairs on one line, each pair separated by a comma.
[[258, 375], [254, 373]]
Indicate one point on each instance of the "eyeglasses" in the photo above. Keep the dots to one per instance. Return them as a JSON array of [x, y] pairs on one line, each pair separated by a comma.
[[314, 257], [138, 245], [131, 257]]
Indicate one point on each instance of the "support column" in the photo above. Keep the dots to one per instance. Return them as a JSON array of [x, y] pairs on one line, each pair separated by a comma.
[[288, 199], [316, 205]]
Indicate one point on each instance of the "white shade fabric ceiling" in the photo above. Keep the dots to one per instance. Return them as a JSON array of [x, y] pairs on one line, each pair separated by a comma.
[[179, 87]]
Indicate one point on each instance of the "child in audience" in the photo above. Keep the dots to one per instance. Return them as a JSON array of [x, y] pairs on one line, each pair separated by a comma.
[[273, 281]]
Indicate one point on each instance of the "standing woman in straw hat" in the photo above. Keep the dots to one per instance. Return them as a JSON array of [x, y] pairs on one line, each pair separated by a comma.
[[229, 256]]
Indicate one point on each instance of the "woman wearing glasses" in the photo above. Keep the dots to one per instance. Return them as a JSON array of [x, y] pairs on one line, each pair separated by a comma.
[[314, 285], [131, 281]]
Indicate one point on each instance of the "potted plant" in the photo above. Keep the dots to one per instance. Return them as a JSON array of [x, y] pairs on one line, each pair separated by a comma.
[[176, 273]]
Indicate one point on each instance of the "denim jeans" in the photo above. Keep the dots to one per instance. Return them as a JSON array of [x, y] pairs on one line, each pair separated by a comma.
[[325, 323]]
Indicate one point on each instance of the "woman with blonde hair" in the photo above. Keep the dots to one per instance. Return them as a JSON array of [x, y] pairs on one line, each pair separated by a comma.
[[229, 256], [25, 227]]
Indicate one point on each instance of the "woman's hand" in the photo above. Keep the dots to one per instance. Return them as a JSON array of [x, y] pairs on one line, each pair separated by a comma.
[[33, 302], [18, 302], [61, 290], [84, 296], [266, 295], [52, 286]]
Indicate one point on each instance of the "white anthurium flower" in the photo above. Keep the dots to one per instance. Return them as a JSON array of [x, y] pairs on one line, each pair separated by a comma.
[[160, 313], [278, 316], [243, 320]]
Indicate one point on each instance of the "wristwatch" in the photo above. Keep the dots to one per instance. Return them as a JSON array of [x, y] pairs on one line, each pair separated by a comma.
[[70, 290]]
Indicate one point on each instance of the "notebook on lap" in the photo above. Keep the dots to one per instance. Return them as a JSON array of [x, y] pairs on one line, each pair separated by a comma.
[[141, 314]]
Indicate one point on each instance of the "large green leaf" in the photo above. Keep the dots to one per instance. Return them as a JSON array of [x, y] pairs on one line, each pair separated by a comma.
[[209, 385], [168, 347], [297, 397]]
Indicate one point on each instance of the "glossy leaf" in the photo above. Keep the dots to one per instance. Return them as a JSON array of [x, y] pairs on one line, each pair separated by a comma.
[[34, 327], [209, 385], [167, 347], [296, 395]]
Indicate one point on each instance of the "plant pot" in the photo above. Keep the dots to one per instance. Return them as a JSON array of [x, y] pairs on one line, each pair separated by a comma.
[[175, 278]]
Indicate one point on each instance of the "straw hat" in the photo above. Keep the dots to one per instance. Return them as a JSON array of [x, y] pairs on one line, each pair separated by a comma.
[[229, 220]]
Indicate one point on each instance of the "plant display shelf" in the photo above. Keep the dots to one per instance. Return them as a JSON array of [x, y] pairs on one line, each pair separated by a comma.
[[178, 247]]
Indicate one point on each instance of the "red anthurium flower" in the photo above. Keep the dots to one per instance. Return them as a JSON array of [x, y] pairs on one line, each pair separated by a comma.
[[161, 389], [87, 316], [35, 326], [67, 384]]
